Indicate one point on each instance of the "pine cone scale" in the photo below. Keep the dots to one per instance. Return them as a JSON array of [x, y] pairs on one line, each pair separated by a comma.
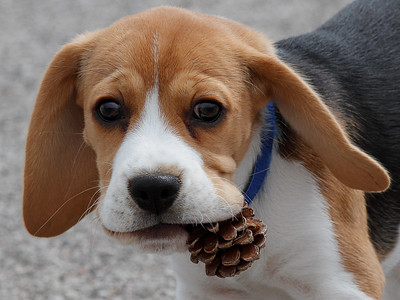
[[211, 244], [231, 257]]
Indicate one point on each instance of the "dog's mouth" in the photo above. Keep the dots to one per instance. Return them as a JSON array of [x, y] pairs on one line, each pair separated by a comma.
[[162, 237]]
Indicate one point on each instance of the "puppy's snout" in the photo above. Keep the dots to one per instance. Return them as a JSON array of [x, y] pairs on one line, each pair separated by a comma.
[[154, 193]]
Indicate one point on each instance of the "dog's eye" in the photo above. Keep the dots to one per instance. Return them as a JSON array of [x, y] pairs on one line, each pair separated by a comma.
[[109, 110], [207, 111]]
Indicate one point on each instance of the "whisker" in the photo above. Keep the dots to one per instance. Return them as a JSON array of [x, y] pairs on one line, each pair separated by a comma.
[[61, 206]]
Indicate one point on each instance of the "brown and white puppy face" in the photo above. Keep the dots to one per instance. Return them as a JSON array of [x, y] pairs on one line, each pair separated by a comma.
[[159, 81], [166, 98]]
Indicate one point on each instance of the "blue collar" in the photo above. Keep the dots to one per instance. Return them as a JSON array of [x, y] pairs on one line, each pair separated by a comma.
[[263, 161]]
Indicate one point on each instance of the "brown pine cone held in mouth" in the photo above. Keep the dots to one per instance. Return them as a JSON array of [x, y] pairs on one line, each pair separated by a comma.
[[227, 247]]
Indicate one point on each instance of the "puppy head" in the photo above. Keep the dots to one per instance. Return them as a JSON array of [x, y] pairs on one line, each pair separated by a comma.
[[150, 118]]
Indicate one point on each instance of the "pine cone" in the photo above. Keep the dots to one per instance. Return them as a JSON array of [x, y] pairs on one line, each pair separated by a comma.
[[227, 247]]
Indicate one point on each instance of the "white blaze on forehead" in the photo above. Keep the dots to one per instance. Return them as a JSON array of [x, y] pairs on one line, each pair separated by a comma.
[[153, 142]]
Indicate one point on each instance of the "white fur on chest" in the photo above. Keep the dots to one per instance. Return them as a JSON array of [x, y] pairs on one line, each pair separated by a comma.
[[301, 258]]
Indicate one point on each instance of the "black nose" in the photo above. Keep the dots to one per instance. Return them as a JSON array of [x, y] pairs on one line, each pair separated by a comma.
[[154, 192]]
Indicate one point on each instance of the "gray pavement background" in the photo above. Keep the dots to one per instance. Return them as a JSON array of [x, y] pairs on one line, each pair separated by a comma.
[[83, 263]]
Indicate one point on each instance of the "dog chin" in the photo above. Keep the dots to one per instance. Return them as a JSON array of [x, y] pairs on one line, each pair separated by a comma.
[[161, 238]]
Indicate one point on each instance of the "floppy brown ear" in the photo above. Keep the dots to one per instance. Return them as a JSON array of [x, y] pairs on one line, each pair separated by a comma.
[[60, 179], [302, 108]]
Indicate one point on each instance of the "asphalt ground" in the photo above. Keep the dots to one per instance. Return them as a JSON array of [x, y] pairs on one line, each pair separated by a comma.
[[83, 263]]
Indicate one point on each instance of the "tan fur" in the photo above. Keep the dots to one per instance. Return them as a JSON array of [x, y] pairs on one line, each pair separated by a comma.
[[307, 114], [60, 174], [241, 71], [348, 211]]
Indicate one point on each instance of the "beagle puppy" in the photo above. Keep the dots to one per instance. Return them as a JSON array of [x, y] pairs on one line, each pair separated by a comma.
[[166, 118]]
